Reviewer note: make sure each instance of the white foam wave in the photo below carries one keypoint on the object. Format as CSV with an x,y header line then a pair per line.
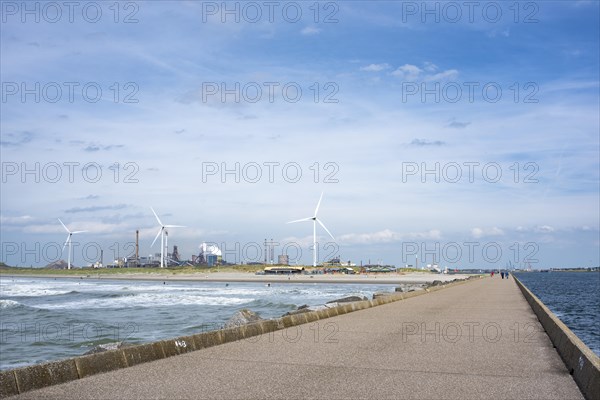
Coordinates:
x,y
31,291
148,300
8,303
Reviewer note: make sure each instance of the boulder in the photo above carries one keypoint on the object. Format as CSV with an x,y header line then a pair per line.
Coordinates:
x,y
377,295
294,312
300,310
399,289
348,299
434,283
242,317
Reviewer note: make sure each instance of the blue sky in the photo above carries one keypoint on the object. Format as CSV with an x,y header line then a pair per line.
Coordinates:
x,y
398,92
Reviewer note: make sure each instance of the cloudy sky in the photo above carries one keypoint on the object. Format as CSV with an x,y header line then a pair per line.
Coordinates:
x,y
465,133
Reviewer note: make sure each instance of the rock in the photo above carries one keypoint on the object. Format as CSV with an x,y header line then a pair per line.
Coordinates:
x,y
298,311
301,309
399,289
106,347
435,283
377,295
348,299
242,317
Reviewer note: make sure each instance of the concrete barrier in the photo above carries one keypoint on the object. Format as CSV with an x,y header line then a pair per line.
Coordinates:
x,y
24,379
47,374
143,353
99,362
581,362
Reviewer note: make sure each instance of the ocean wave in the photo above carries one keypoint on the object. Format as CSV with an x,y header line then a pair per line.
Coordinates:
x,y
146,300
9,304
34,290
271,304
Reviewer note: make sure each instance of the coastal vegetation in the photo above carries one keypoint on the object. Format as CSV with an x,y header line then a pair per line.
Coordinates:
x,y
5,269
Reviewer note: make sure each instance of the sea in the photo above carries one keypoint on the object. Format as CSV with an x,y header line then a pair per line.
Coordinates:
x,y
574,297
47,319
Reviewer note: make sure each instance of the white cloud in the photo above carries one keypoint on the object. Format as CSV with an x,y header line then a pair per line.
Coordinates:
x,y
431,235
375,67
495,32
310,30
384,236
448,74
408,71
430,67
387,236
21,220
544,229
478,233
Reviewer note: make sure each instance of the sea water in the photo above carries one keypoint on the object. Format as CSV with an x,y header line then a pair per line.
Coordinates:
x,y
573,297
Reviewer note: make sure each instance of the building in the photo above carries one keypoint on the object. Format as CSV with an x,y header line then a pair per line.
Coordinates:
x,y
210,255
211,260
283,270
283,259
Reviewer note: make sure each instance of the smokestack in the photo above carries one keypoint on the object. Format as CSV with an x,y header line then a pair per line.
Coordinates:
x,y
137,245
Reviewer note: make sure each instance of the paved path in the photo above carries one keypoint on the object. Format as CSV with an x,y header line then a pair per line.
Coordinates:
x,y
477,340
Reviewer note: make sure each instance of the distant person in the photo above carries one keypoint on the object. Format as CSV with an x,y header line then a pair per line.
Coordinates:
x,y
502,274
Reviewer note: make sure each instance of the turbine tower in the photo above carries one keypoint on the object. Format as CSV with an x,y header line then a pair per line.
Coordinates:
x,y
68,241
161,233
314,219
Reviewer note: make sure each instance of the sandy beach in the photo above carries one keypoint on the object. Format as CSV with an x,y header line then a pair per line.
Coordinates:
x,y
391,278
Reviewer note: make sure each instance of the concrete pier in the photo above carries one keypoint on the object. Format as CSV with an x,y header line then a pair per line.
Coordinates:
x,y
477,340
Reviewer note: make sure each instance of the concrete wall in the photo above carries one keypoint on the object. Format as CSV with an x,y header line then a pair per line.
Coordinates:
x,y
21,380
581,362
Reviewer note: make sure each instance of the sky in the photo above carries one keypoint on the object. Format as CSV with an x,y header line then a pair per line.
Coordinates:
x,y
465,134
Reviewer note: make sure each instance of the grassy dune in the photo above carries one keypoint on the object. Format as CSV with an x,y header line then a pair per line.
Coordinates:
x,y
7,270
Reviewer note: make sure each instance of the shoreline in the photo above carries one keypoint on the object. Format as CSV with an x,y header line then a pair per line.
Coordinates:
x,y
410,278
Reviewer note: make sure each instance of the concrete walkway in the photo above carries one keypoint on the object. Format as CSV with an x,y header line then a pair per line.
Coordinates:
x,y
477,340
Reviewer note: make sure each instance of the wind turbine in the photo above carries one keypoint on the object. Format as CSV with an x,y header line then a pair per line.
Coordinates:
x,y
68,241
314,219
161,232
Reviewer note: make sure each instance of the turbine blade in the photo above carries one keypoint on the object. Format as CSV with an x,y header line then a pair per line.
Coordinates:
x,y
157,235
318,204
64,226
78,232
158,219
299,220
320,223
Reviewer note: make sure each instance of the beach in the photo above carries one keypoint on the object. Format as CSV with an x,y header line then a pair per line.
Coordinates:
x,y
381,278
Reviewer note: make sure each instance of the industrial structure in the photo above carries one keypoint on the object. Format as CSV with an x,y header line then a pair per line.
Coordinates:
x,y
210,255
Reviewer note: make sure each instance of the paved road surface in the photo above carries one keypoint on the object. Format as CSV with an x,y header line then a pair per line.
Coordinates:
x,y
472,341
